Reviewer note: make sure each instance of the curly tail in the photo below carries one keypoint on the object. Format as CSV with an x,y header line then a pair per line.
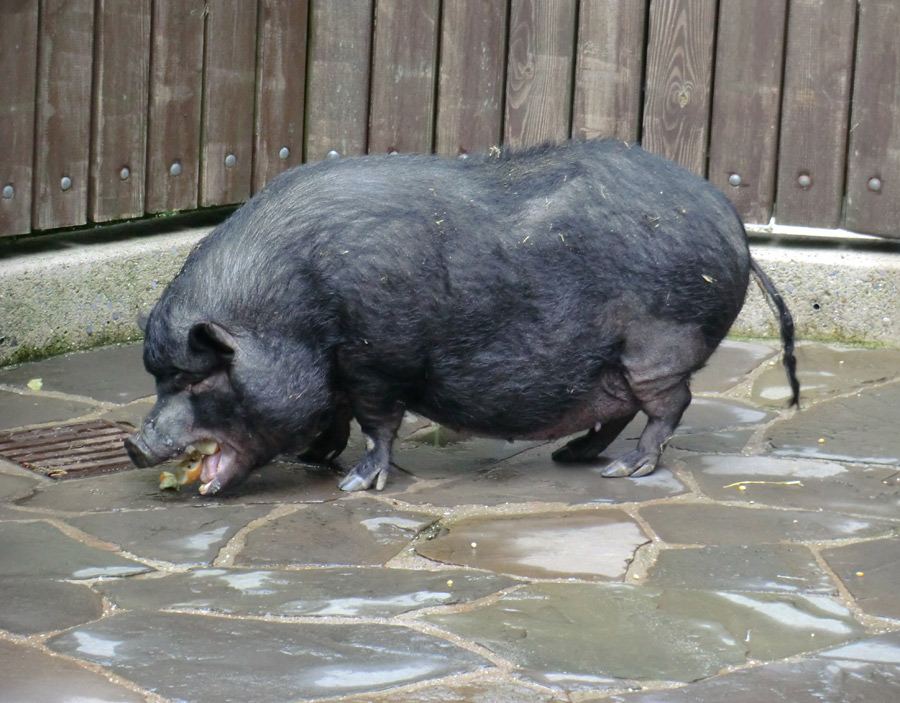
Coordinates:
x,y
786,322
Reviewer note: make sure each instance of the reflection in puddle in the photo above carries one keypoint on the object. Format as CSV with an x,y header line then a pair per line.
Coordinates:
x,y
347,678
364,606
790,616
92,646
603,549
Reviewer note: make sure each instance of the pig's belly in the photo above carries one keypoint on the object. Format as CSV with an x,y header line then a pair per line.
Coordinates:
x,y
533,413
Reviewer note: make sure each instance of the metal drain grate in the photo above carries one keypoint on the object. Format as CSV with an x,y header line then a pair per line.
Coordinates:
x,y
68,451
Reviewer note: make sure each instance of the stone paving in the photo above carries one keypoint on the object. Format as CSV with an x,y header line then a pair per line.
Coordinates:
x,y
760,562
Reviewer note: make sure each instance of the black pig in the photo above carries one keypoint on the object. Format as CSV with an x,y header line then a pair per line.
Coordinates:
x,y
528,294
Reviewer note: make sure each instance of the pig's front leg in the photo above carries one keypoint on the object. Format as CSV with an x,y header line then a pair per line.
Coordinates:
x,y
375,465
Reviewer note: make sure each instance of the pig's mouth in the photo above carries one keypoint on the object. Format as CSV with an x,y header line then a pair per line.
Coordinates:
x,y
210,461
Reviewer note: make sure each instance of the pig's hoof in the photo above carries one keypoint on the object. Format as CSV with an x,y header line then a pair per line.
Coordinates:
x,y
360,480
635,463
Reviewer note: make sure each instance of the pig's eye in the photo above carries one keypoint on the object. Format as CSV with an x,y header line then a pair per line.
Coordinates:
x,y
187,380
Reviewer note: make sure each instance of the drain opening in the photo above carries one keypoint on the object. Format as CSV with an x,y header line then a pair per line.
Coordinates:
x,y
69,451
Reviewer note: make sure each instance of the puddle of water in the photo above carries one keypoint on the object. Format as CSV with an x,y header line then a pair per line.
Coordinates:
x,y
567,544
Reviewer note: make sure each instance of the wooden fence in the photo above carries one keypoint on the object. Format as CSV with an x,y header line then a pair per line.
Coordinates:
x,y
113,109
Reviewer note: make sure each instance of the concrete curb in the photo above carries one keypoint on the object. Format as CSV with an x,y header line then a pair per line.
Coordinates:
x,y
80,290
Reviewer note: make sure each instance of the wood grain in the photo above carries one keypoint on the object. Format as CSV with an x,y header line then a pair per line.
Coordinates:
x,y
874,151
337,97
226,148
121,89
404,67
472,70
63,113
280,88
814,118
539,71
609,69
18,66
679,80
176,80
747,104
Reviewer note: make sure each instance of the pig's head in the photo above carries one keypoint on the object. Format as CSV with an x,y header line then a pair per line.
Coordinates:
x,y
253,396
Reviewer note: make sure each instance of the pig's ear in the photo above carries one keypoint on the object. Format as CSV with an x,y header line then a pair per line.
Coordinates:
x,y
143,318
212,337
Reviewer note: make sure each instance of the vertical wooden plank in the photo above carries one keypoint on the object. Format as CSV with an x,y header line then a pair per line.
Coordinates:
x,y
540,69
121,84
280,88
404,54
873,173
63,120
814,115
176,76
226,150
679,80
470,91
338,89
18,68
609,69
746,104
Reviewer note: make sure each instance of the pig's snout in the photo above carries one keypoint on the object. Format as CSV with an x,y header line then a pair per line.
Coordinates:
x,y
138,451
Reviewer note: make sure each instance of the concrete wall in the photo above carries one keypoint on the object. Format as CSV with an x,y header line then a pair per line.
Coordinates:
x,y
79,290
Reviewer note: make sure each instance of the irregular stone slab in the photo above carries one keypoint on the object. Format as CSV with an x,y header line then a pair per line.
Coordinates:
x,y
358,592
444,459
587,636
774,568
347,533
826,371
722,524
798,483
729,364
31,606
199,659
771,625
278,482
586,544
812,681
30,676
852,429
113,374
36,549
12,485
19,410
719,442
177,535
871,572
534,476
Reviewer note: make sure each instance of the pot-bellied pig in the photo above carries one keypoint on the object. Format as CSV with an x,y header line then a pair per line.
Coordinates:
x,y
516,294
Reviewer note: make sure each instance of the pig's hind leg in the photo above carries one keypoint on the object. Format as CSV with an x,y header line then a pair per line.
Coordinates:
x,y
589,445
659,360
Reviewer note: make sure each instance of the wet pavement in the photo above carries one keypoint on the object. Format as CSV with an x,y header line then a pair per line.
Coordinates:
x,y
760,562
